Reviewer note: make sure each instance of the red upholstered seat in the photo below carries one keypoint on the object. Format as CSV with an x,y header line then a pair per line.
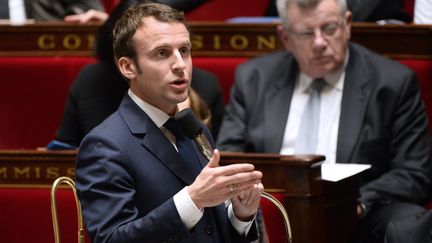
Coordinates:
x,y
409,7
223,68
26,215
32,98
213,10
110,4
273,219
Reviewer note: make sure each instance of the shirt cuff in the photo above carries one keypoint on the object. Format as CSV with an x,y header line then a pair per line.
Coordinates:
x,y
241,226
188,211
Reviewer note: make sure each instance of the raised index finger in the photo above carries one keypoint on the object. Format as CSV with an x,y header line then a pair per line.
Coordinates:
x,y
233,169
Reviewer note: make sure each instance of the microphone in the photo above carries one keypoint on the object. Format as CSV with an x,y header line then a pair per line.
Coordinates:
x,y
192,128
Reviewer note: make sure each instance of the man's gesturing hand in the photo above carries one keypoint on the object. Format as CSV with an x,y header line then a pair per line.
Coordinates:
x,y
245,205
216,184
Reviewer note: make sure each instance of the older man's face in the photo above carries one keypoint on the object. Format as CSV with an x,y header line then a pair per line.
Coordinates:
x,y
317,37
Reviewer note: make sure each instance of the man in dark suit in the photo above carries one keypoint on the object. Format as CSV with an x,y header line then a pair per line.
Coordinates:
x,y
370,111
139,179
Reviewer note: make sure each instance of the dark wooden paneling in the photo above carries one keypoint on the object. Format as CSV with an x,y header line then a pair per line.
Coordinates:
x,y
211,39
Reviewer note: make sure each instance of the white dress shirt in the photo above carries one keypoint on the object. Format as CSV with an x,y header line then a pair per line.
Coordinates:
x,y
423,12
17,14
188,211
331,97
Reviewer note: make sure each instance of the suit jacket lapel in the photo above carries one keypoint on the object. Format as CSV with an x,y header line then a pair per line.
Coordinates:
x,y
277,104
353,107
154,140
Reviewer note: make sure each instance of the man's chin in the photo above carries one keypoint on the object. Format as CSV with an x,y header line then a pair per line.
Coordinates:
x,y
179,99
322,71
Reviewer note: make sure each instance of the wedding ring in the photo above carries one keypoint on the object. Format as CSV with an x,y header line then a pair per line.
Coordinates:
x,y
231,188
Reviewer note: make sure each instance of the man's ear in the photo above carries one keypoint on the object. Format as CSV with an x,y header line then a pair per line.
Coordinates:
x,y
348,19
283,35
127,67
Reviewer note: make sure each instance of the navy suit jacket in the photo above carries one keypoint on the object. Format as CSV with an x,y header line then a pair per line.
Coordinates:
x,y
383,121
127,174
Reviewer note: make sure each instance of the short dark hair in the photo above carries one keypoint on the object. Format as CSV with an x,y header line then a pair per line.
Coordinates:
x,y
132,19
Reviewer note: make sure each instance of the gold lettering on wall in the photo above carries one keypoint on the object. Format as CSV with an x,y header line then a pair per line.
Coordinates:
x,y
21,172
200,42
52,172
46,42
71,172
217,42
3,173
69,42
197,42
72,42
37,171
269,42
91,41
239,42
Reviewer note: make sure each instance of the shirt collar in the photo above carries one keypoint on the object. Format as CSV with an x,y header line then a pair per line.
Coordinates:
x,y
156,115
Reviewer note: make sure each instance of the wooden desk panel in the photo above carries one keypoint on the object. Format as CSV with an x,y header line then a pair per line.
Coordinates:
x,y
211,39
47,39
32,168
314,206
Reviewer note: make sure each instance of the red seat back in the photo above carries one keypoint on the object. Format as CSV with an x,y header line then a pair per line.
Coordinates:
x,y
273,220
32,98
26,215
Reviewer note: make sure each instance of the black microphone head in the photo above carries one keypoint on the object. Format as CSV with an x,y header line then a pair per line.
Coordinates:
x,y
189,123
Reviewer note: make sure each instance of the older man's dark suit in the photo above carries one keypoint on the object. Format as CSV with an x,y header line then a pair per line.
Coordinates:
x,y
382,122
127,174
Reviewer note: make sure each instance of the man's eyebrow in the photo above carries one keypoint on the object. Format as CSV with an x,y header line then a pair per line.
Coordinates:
x,y
166,45
187,43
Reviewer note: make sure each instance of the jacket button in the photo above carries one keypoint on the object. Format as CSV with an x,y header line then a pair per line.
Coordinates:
x,y
209,229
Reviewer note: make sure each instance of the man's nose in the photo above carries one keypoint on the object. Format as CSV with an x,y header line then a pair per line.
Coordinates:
x,y
179,63
319,40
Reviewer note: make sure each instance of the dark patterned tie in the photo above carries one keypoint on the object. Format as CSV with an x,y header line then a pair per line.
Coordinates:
x,y
307,138
185,146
